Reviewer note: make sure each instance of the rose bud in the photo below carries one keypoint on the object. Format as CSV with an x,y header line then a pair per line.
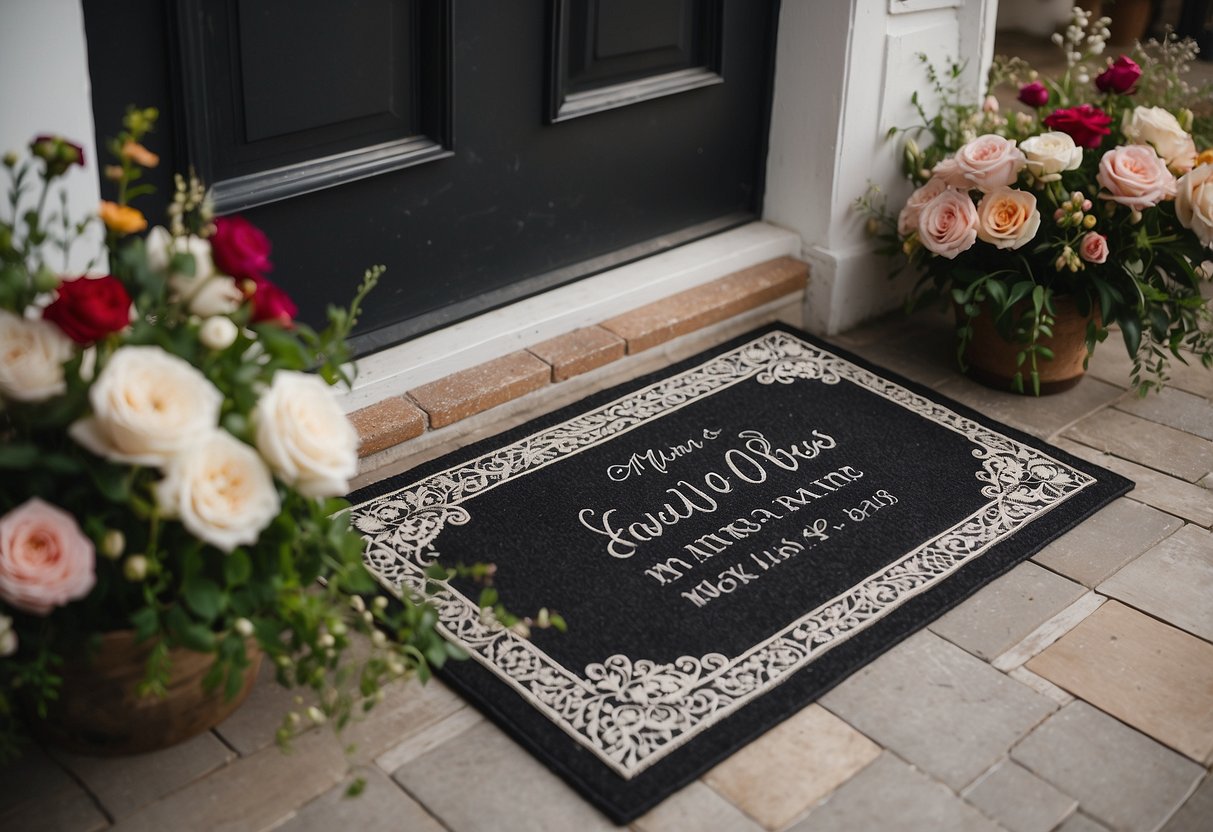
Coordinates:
x,y
1120,76
58,153
1034,94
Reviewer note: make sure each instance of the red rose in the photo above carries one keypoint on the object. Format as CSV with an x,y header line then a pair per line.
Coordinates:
x,y
1120,76
240,248
90,308
270,303
1034,94
1087,125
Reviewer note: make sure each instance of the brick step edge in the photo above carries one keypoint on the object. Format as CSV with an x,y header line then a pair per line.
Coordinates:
x,y
440,403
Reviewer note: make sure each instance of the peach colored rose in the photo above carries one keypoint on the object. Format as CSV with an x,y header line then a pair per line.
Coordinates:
x,y
45,560
1194,202
1007,218
1093,248
1135,176
990,162
948,223
121,219
907,220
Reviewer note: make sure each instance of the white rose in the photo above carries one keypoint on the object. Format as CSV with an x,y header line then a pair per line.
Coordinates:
x,y
207,292
304,436
147,406
1049,154
1158,128
32,353
221,491
218,332
1194,203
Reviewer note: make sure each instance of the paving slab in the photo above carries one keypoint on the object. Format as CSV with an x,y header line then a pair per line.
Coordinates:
x,y
1078,822
785,771
1174,496
70,810
1146,673
1195,814
1115,367
254,792
920,348
1019,800
1174,408
482,781
1172,581
695,807
125,784
1004,611
32,775
1119,776
889,794
1044,416
1147,443
1047,633
253,725
381,805
1094,549
941,709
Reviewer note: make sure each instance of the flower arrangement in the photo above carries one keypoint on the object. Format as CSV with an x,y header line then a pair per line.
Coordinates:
x,y
173,457
1095,192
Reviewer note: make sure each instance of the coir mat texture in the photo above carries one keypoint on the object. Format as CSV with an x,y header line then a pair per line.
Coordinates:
x,y
727,539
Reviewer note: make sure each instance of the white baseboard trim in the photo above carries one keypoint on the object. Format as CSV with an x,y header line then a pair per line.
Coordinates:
x,y
392,371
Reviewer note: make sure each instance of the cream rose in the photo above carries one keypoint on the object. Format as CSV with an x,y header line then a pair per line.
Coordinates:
x,y
32,354
1007,218
1135,177
45,560
304,436
206,292
1157,127
1049,154
948,223
990,161
907,220
1093,247
147,406
221,491
1194,202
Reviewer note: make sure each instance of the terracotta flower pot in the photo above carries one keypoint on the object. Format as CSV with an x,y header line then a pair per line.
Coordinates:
x,y
100,713
991,358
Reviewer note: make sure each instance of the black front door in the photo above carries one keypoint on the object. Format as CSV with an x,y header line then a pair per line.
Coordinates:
x,y
484,150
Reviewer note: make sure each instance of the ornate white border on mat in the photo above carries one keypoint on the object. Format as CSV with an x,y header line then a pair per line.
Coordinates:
x,y
632,712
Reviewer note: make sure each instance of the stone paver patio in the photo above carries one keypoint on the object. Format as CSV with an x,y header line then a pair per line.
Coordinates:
x,y
1075,693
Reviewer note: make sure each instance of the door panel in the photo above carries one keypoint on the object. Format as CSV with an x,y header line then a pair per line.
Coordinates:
x,y
420,134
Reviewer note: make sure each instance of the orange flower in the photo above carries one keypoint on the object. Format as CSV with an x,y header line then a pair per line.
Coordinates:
x,y
140,155
1205,157
121,219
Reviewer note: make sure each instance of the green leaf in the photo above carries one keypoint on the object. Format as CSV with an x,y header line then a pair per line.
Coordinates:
x,y
237,568
1130,328
18,455
204,597
488,597
146,622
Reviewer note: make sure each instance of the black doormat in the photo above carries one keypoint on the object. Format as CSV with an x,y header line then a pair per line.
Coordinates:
x,y
727,539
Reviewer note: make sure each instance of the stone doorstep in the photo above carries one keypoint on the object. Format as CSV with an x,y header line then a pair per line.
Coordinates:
x,y
456,397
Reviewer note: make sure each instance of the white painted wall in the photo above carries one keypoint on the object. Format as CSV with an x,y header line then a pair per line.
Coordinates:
x,y
44,88
844,75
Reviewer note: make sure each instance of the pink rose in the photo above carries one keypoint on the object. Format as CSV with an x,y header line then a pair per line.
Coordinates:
x,y
270,303
1093,248
240,248
1007,218
990,161
907,220
1120,76
1134,176
45,560
948,223
948,170
1034,94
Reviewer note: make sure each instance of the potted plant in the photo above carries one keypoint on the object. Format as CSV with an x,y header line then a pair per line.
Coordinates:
x,y
173,462
1090,208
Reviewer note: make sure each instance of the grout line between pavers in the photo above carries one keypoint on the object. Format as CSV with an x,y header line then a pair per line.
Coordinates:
x,y
79,781
1048,632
